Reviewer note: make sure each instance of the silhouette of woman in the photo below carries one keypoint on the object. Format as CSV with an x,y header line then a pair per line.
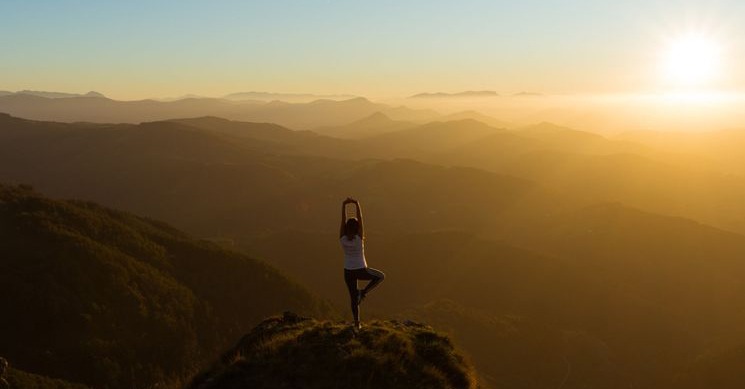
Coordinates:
x,y
352,238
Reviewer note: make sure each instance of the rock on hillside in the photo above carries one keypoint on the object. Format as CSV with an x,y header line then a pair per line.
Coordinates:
x,y
292,352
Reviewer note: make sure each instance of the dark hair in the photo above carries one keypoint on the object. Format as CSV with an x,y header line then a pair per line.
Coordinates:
x,y
352,227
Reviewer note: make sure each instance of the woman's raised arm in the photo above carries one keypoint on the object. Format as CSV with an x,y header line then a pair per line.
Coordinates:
x,y
359,218
344,215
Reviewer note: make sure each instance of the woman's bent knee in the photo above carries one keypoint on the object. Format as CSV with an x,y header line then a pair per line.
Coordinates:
x,y
376,273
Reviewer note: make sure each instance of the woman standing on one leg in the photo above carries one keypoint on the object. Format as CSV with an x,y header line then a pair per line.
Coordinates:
x,y
352,238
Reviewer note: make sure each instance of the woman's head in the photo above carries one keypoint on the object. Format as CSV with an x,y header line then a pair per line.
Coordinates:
x,y
352,227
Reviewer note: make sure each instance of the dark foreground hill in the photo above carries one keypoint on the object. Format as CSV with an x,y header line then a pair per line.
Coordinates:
x,y
109,299
295,352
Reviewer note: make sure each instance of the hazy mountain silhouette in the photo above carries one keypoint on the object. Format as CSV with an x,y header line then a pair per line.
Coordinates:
x,y
318,113
110,299
55,95
570,140
288,97
138,167
323,113
186,96
527,94
644,182
719,149
478,116
161,168
267,137
483,93
540,155
595,168
427,138
536,138
472,142
103,110
375,124
292,351
519,151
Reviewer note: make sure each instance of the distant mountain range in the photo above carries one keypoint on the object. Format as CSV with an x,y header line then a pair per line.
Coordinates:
x,y
51,95
471,94
483,93
287,97
318,113
527,94
478,116
379,123
270,96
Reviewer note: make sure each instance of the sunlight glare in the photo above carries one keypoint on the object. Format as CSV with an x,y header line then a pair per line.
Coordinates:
x,y
692,60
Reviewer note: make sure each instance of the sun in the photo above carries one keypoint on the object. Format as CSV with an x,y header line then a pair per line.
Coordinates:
x,y
692,60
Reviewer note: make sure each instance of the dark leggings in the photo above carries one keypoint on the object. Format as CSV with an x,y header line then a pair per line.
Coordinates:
x,y
352,276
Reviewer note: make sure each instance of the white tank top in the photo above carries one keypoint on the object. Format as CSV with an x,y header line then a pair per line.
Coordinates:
x,y
354,252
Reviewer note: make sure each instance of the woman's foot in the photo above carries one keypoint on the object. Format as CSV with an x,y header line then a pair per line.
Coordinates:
x,y
357,326
361,296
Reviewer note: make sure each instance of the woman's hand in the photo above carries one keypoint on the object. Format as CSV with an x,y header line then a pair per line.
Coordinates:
x,y
350,200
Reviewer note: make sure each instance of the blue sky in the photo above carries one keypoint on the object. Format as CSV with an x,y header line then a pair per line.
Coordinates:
x,y
134,49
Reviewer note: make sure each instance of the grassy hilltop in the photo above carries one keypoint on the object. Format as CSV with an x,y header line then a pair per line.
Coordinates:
x,y
294,352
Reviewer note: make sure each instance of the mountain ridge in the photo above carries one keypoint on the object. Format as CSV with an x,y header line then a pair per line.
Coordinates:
x,y
305,115
368,126
53,95
288,97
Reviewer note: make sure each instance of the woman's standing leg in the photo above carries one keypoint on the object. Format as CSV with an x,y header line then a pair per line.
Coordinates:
x,y
351,281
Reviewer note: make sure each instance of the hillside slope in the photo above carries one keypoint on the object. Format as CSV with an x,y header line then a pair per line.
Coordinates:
x,y
18,379
292,352
209,182
513,351
110,299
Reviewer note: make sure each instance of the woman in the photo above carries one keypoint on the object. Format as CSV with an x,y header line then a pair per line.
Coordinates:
x,y
352,238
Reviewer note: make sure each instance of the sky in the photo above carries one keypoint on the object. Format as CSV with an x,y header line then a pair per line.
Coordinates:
x,y
139,49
